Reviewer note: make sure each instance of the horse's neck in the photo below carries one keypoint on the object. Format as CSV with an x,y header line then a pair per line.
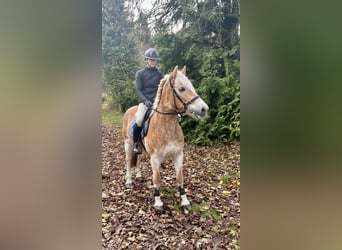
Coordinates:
x,y
166,103
167,125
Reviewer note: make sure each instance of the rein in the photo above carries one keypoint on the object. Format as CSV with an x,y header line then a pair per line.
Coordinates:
x,y
175,94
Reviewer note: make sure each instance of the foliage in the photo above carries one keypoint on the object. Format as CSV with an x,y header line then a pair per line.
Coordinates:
x,y
119,54
222,94
209,45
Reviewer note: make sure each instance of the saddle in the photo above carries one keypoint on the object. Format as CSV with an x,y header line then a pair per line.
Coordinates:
x,y
145,126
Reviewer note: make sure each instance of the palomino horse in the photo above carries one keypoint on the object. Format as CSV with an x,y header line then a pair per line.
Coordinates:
x,y
176,95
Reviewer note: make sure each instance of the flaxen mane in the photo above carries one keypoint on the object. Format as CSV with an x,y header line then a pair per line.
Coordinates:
x,y
159,91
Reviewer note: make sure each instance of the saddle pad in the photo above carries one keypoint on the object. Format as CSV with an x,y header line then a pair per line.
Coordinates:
x,y
130,131
143,131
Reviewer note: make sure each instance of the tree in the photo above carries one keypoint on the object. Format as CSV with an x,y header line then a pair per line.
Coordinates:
x,y
208,43
120,54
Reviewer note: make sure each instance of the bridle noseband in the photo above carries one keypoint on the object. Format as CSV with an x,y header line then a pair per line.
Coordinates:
x,y
175,94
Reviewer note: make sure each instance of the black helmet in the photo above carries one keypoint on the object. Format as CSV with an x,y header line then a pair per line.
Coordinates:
x,y
152,54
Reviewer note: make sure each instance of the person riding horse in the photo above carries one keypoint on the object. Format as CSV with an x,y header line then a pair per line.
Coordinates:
x,y
175,95
146,81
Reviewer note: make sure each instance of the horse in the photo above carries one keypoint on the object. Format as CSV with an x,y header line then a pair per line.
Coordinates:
x,y
175,96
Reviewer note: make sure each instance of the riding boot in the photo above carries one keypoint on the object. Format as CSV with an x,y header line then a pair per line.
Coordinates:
x,y
136,135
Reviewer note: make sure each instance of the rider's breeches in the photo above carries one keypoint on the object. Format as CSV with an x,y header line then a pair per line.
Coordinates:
x,y
140,114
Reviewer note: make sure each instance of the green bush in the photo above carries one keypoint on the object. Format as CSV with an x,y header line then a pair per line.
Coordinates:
x,y
222,94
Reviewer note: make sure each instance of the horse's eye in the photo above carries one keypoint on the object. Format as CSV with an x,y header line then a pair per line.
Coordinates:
x,y
181,89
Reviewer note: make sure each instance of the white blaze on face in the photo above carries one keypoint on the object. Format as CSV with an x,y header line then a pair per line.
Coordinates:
x,y
185,81
198,109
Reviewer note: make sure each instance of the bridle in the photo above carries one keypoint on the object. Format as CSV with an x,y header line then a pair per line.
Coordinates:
x,y
175,94
185,104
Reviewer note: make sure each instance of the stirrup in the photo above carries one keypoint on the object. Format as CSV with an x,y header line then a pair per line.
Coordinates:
x,y
136,149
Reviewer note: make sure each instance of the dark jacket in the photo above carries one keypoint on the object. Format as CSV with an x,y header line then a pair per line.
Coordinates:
x,y
146,83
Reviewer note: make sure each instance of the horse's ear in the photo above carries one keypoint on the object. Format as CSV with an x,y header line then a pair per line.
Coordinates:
x,y
184,70
174,73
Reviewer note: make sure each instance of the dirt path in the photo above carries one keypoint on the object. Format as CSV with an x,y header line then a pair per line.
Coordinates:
x,y
212,181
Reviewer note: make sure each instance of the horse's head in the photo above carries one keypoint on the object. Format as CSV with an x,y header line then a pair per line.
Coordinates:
x,y
185,96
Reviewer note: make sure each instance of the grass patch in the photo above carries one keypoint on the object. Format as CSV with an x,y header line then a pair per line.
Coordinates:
x,y
205,211
169,194
224,179
212,170
177,207
230,177
112,118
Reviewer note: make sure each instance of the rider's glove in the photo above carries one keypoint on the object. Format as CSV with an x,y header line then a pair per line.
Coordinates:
x,y
148,103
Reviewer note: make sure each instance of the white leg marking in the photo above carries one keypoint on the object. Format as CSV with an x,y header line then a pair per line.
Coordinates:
x,y
185,201
157,201
155,163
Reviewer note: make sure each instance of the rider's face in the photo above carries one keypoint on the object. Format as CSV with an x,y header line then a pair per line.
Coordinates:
x,y
151,63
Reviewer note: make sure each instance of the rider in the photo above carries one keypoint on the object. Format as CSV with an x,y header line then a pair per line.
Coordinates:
x,y
147,82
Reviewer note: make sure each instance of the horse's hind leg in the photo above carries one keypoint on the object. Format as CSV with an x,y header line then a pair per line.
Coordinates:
x,y
132,161
129,159
138,176
178,162
155,162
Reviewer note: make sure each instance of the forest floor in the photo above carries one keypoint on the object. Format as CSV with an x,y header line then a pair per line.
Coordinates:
x,y
212,182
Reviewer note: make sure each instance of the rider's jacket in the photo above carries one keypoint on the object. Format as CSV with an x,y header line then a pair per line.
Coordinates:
x,y
147,82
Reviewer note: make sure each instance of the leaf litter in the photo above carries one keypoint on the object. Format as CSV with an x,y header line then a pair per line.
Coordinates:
x,y
212,182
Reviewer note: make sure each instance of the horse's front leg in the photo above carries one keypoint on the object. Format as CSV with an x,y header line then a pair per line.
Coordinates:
x,y
155,162
178,161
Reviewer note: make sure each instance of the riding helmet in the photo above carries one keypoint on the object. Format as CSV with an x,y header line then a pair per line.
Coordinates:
x,y
152,54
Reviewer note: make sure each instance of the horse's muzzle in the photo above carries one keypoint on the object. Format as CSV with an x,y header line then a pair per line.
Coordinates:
x,y
200,111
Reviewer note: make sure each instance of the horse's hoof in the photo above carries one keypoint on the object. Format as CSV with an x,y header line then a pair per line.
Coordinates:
x,y
139,179
128,185
159,208
187,206
186,209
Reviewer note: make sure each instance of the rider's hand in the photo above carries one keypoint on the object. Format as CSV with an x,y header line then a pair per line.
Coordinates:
x,y
148,104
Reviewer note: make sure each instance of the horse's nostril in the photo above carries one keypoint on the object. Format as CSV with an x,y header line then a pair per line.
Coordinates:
x,y
203,110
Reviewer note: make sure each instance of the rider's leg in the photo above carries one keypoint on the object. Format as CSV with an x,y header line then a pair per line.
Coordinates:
x,y
137,126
